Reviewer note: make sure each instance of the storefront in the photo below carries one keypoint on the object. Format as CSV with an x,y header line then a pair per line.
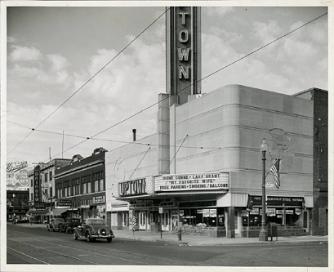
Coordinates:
x,y
289,214
167,202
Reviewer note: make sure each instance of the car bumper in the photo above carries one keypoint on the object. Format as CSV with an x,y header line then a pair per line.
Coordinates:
x,y
102,236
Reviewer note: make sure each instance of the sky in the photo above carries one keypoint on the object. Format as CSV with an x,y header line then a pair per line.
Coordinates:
x,y
52,52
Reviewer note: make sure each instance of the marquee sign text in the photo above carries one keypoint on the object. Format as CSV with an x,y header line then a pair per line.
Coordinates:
x,y
192,182
132,187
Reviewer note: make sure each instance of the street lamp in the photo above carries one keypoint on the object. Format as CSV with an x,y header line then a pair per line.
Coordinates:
x,y
264,232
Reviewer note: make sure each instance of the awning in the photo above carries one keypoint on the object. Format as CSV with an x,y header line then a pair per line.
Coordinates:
x,y
40,212
59,211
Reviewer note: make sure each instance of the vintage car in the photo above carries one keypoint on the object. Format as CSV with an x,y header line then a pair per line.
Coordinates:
x,y
69,225
55,224
92,229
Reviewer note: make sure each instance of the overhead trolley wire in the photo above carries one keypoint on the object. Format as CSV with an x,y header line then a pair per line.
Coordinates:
x,y
226,66
90,79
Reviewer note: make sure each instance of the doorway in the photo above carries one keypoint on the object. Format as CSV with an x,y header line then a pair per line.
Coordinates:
x,y
165,220
142,220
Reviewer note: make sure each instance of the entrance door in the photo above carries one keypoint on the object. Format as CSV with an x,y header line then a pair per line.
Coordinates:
x,y
165,220
142,220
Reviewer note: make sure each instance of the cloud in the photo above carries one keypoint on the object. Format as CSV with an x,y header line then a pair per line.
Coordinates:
x,y
221,11
22,53
230,37
58,62
49,69
11,39
267,32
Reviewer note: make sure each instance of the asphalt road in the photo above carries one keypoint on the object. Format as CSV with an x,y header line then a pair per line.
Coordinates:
x,y
38,246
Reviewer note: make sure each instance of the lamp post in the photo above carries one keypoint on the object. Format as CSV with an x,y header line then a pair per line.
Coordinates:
x,y
264,232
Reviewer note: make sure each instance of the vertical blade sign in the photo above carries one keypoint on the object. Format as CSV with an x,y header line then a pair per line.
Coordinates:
x,y
37,183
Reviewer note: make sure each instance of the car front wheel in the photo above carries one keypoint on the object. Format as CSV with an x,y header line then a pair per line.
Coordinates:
x,y
75,236
109,240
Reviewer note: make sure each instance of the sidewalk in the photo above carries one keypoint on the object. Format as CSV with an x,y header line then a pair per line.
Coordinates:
x,y
192,240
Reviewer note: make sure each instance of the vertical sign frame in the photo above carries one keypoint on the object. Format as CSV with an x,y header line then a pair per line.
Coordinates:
x,y
37,185
183,52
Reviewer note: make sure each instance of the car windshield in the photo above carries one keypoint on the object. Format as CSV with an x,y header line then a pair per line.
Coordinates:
x,y
94,221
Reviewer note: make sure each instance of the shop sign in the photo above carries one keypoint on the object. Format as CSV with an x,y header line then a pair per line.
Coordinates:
x,y
199,211
213,212
161,210
271,212
206,212
298,211
287,201
277,200
39,205
279,211
270,184
279,216
289,211
244,213
192,182
84,206
98,199
37,188
255,211
132,187
143,203
167,202
61,203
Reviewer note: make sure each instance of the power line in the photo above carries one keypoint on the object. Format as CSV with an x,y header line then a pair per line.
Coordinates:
x,y
110,140
90,79
226,66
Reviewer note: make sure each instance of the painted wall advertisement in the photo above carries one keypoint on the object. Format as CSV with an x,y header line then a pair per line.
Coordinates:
x,y
192,182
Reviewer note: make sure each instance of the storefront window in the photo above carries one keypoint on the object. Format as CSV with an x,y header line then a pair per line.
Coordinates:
x,y
202,217
291,217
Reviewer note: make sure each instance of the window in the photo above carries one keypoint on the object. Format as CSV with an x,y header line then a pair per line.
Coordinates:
x,y
32,196
96,186
101,185
89,187
51,192
32,184
198,216
46,192
50,175
46,177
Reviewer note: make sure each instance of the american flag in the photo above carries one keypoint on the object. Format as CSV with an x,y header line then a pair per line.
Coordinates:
x,y
275,170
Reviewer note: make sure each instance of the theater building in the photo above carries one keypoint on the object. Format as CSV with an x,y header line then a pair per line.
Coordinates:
x,y
203,166
80,186
202,169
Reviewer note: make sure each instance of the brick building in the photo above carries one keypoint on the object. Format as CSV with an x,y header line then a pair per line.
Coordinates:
x,y
82,185
319,215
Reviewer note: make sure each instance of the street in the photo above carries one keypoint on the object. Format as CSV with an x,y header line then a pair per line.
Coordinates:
x,y
38,246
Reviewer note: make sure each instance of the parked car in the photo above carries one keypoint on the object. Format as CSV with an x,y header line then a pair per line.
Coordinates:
x,y
23,220
92,229
69,225
55,224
